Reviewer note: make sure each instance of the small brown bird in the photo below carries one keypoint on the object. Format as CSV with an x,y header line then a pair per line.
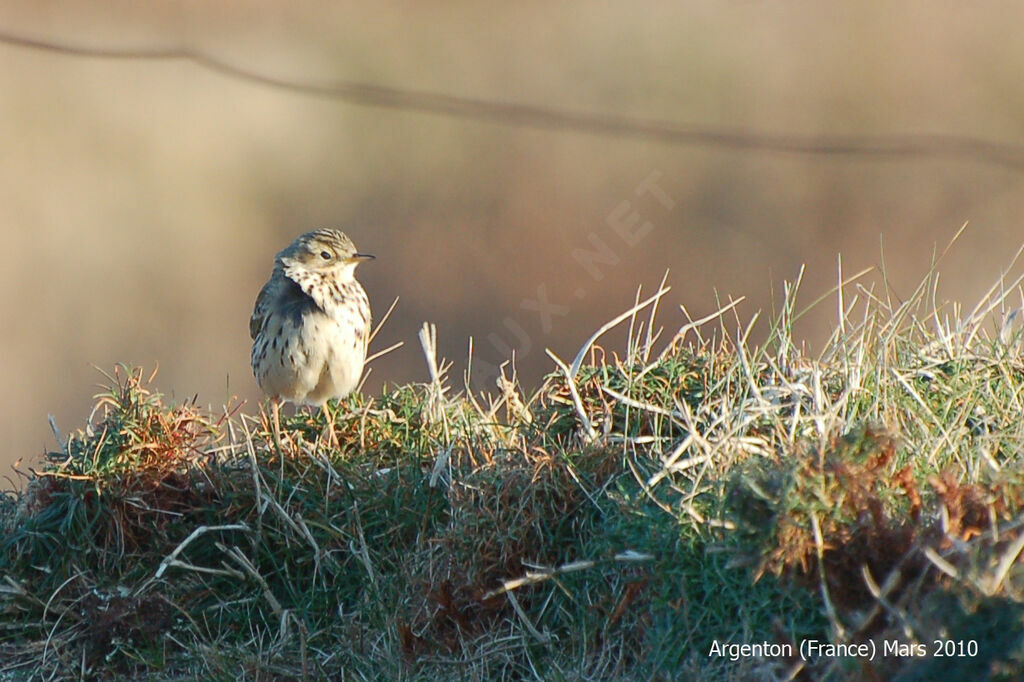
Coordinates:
x,y
311,324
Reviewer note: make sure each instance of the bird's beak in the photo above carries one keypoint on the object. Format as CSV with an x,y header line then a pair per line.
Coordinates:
x,y
359,257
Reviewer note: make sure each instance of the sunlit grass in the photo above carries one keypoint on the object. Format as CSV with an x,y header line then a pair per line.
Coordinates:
x,y
613,524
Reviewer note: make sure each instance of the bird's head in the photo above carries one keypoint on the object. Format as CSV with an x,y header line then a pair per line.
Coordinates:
x,y
325,251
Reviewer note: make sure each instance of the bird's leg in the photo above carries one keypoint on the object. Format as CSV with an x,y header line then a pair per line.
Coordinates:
x,y
332,439
275,408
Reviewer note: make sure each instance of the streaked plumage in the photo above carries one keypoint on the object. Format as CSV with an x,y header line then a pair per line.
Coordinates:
x,y
311,321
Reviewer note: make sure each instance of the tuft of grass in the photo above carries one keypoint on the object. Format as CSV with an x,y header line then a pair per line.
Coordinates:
x,y
634,512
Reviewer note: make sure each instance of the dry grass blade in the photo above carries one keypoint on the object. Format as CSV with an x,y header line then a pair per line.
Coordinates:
x,y
582,353
590,434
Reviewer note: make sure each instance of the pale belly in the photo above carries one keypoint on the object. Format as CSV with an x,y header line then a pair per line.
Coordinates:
x,y
311,360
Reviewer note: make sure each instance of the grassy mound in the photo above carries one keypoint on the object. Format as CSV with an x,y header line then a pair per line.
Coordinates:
x,y
637,517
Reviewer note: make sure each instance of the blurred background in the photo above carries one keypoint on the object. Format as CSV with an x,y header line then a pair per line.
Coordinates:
x,y
143,200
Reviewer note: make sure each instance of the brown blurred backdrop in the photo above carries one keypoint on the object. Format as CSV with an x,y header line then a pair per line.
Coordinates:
x,y
143,201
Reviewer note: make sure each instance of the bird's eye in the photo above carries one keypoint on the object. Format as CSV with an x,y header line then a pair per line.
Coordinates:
x,y
326,255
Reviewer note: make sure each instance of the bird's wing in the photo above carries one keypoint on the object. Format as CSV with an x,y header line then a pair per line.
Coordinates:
x,y
261,309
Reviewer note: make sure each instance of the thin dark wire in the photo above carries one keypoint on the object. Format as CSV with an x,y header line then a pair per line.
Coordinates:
x,y
962,147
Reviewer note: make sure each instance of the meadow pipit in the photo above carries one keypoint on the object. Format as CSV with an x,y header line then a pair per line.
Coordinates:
x,y
311,324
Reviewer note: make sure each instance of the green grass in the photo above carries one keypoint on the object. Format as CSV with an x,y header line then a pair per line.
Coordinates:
x,y
613,524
